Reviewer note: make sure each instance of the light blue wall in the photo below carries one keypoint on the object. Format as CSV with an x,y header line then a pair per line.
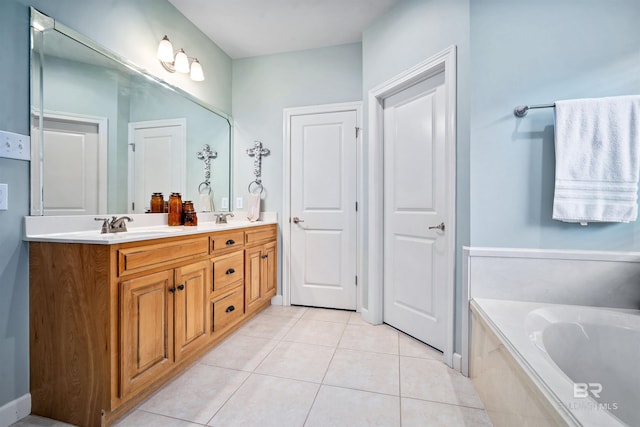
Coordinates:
x,y
526,52
263,86
410,33
131,29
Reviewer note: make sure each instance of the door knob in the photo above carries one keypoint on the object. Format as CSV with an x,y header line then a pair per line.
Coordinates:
x,y
439,227
297,220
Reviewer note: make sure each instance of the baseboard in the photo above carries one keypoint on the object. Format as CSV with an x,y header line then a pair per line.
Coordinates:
x,y
15,410
277,300
457,362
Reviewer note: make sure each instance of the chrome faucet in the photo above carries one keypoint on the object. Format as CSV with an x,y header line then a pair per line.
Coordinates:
x,y
221,218
116,225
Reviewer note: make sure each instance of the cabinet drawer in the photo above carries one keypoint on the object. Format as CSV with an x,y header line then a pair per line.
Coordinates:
x,y
140,258
227,270
228,309
227,241
262,234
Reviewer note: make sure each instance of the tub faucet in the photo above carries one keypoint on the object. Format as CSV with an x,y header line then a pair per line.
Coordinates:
x,y
116,225
221,218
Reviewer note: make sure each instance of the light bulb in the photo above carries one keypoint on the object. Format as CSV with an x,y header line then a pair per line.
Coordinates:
x,y
181,62
196,71
165,50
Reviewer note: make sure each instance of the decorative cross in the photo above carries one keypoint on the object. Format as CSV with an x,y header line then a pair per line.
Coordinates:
x,y
206,154
257,152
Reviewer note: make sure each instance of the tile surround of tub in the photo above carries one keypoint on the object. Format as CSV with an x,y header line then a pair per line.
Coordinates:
x,y
271,372
604,279
510,397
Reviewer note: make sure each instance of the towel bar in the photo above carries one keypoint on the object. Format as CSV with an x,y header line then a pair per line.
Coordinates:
x,y
521,110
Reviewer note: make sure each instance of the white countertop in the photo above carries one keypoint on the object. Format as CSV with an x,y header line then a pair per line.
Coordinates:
x,y
85,229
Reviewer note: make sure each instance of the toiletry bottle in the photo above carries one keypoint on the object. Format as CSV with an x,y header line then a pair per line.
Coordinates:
x,y
189,215
157,203
175,209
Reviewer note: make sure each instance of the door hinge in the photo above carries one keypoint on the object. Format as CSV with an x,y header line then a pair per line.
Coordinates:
x,y
356,206
357,131
133,147
133,206
356,280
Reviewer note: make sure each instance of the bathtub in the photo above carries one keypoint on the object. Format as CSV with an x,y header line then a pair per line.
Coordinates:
x,y
570,365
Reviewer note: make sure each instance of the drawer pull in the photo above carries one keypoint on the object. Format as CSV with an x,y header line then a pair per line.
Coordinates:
x,y
181,287
231,242
230,309
230,271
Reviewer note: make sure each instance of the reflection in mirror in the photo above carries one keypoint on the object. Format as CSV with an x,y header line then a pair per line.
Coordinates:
x,y
106,135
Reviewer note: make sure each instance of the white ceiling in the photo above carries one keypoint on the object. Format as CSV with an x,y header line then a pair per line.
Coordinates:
x,y
244,28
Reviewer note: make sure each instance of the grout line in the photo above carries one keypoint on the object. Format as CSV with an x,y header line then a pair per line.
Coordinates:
x,y
165,416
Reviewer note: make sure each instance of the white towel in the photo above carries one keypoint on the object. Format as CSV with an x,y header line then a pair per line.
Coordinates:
x,y
205,202
597,159
253,207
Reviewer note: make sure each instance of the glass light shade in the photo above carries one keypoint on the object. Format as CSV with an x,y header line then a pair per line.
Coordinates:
x,y
196,71
165,50
181,62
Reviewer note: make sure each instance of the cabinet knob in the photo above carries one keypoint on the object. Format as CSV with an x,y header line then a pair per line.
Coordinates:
x,y
230,271
231,242
265,256
172,289
230,309
181,287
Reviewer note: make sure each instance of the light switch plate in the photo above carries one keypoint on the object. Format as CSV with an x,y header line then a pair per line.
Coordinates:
x,y
239,202
225,203
15,146
4,197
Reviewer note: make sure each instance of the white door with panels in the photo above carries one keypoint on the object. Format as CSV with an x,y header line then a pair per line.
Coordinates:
x,y
323,195
157,151
416,211
73,173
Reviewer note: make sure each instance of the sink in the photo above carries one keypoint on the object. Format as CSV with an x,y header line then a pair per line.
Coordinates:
x,y
131,233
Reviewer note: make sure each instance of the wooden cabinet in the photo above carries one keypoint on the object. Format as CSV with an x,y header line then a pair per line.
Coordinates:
x,y
146,326
112,323
260,267
191,308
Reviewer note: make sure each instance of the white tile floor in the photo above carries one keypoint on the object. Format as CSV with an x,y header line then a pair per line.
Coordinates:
x,y
296,366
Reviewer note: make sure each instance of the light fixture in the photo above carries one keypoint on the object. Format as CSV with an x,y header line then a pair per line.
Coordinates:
x,y
179,62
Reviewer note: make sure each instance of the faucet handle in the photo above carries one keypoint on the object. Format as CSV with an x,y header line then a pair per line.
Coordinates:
x,y
105,225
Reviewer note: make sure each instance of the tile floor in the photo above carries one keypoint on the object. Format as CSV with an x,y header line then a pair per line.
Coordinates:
x,y
297,366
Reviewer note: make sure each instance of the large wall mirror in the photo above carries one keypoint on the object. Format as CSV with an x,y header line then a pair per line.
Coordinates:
x,y
105,134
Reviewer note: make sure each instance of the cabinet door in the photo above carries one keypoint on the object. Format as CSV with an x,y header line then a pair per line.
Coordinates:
x,y
269,270
146,330
253,277
191,307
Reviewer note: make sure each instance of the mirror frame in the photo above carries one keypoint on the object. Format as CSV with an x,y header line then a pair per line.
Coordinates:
x,y
40,22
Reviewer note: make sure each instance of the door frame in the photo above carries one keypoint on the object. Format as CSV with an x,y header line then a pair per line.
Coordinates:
x,y
288,114
445,62
36,172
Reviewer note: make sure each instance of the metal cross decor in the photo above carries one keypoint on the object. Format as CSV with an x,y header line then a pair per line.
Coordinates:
x,y
257,152
206,154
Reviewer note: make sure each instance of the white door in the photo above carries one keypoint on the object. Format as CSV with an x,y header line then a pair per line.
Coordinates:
x,y
156,161
323,209
415,204
73,178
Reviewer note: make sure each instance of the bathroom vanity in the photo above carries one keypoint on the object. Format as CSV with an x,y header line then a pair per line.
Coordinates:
x,y
113,320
